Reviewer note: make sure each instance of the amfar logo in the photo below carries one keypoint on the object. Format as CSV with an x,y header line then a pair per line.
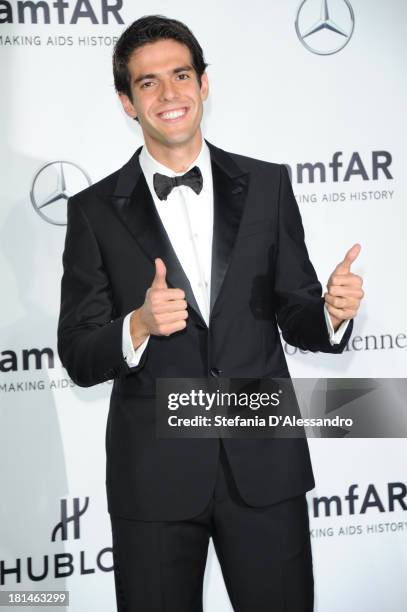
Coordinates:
x,y
59,565
328,33
41,12
338,169
52,185
30,359
359,502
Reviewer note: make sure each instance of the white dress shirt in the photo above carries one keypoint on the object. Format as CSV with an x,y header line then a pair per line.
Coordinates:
x,y
187,218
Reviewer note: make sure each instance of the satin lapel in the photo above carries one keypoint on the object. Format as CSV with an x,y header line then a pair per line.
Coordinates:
x,y
133,203
230,187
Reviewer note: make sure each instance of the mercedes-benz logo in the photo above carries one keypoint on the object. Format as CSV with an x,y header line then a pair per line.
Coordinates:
x,y
49,189
324,36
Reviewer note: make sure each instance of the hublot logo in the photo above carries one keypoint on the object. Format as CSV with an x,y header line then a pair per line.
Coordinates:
x,y
62,526
59,564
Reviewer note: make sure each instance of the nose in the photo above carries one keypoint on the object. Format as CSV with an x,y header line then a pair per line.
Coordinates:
x,y
168,90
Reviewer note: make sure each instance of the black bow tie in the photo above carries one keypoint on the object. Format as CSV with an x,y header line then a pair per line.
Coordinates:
x,y
163,184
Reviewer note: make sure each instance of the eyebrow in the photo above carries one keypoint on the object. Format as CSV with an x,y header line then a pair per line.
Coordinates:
x,y
151,75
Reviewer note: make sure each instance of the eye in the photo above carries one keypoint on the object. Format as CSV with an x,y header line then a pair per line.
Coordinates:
x,y
183,74
146,84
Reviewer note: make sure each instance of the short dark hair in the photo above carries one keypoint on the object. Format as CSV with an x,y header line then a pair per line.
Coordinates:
x,y
149,29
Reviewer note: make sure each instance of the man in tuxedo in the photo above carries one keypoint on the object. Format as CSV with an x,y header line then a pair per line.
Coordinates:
x,y
181,265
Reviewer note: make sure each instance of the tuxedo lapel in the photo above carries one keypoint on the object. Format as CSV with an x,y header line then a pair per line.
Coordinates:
x,y
230,187
133,203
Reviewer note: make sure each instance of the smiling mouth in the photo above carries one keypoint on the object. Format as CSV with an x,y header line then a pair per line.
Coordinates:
x,y
174,115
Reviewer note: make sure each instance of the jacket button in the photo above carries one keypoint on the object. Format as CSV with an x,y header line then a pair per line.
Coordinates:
x,y
215,372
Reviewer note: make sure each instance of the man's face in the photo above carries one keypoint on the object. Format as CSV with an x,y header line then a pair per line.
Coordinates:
x,y
167,98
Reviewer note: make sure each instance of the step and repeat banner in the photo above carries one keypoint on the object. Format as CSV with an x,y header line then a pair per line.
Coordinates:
x,y
317,85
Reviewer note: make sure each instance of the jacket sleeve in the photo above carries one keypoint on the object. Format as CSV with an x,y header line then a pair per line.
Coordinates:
x,y
89,338
297,291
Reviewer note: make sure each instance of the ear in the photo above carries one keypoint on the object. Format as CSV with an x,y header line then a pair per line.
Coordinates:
x,y
127,105
204,86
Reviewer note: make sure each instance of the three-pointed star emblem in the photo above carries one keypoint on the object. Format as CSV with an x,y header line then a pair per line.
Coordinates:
x,y
50,188
339,26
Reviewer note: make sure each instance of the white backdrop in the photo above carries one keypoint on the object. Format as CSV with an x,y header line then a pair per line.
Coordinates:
x,y
270,98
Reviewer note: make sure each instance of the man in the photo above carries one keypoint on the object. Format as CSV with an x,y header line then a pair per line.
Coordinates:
x,y
180,265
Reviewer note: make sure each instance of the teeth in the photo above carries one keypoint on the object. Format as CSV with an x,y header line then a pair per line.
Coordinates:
x,y
172,114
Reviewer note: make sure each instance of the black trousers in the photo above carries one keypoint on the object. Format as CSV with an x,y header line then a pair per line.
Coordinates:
x,y
264,554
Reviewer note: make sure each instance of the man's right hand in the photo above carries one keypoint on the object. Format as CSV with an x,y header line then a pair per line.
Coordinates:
x,y
164,311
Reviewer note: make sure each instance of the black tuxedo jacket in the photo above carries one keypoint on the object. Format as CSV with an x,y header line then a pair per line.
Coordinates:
x,y
261,277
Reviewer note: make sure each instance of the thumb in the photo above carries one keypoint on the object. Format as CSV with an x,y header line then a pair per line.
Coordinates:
x,y
159,281
351,255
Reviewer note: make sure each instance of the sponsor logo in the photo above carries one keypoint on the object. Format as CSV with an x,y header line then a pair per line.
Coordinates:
x,y
329,32
53,184
365,504
61,12
29,359
59,564
370,342
394,498
343,170
74,518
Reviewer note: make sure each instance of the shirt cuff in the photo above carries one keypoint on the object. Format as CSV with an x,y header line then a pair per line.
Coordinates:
x,y
131,355
335,337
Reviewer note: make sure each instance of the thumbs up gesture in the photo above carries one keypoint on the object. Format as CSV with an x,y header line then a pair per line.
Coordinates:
x,y
164,310
159,281
344,289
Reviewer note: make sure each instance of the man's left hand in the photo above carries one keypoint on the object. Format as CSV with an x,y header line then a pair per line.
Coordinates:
x,y
344,290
